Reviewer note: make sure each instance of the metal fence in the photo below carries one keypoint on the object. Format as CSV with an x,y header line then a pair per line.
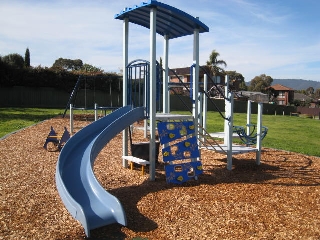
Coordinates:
x,y
52,98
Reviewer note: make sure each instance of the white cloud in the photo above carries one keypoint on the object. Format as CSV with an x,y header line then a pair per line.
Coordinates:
x,y
252,37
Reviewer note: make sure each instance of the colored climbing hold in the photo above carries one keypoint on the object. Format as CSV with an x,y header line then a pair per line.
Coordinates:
x,y
166,154
183,131
180,178
171,135
187,144
191,127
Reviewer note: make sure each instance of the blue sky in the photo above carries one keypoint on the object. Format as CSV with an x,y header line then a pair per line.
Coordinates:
x,y
277,38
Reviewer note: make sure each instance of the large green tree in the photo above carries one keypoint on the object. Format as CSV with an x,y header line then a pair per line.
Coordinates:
x,y
14,59
27,58
260,83
68,64
216,65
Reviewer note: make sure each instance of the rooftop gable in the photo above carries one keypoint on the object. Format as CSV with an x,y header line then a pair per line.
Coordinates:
x,y
279,87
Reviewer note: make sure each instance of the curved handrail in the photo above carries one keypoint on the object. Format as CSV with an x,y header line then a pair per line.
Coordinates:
x,y
251,138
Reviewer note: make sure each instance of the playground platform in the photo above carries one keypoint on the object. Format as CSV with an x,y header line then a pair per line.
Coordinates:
x,y
236,149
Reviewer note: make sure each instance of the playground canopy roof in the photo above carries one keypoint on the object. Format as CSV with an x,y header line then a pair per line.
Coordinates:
x,y
170,21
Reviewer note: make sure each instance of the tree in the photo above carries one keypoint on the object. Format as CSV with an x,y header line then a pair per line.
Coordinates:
x,y
87,68
260,83
317,93
310,91
272,94
68,64
236,80
14,60
27,58
214,63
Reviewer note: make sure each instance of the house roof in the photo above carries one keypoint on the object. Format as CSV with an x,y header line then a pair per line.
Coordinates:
x,y
248,93
186,71
170,21
279,87
301,97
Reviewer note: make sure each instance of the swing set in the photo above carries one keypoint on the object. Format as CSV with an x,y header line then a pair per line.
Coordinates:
x,y
90,92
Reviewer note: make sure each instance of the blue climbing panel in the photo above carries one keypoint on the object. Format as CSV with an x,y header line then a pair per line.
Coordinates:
x,y
169,131
183,147
179,173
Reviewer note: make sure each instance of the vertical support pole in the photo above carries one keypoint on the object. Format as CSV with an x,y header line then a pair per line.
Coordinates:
x,y
248,116
205,103
152,120
168,96
228,123
230,131
195,87
71,119
146,100
226,110
95,112
259,129
165,90
200,118
125,87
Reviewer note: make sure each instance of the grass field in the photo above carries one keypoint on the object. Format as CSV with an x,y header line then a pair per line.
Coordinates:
x,y
294,134
13,119
287,133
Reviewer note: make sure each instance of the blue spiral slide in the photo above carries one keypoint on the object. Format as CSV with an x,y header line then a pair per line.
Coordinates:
x,y
83,196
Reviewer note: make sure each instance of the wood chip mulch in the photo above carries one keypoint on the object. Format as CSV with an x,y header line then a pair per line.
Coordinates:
x,y
280,199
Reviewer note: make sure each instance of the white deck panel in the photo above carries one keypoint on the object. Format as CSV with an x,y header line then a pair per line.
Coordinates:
x,y
221,135
236,149
169,116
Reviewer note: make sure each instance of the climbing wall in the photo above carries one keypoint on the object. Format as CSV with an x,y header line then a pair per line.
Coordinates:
x,y
180,151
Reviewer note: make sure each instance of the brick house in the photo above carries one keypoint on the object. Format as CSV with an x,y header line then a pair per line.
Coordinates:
x,y
285,95
184,75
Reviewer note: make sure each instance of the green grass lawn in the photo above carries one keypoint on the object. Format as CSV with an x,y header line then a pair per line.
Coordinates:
x,y
295,134
13,119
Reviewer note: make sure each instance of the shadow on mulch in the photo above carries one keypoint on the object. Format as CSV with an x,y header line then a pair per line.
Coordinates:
x,y
288,173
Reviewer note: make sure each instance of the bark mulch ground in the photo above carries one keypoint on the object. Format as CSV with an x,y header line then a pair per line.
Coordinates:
x,y
280,199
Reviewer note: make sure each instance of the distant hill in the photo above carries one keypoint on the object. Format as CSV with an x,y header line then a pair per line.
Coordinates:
x,y
296,84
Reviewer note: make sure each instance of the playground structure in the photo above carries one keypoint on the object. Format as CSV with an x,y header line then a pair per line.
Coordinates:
x,y
95,110
170,23
79,190
57,139
89,102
